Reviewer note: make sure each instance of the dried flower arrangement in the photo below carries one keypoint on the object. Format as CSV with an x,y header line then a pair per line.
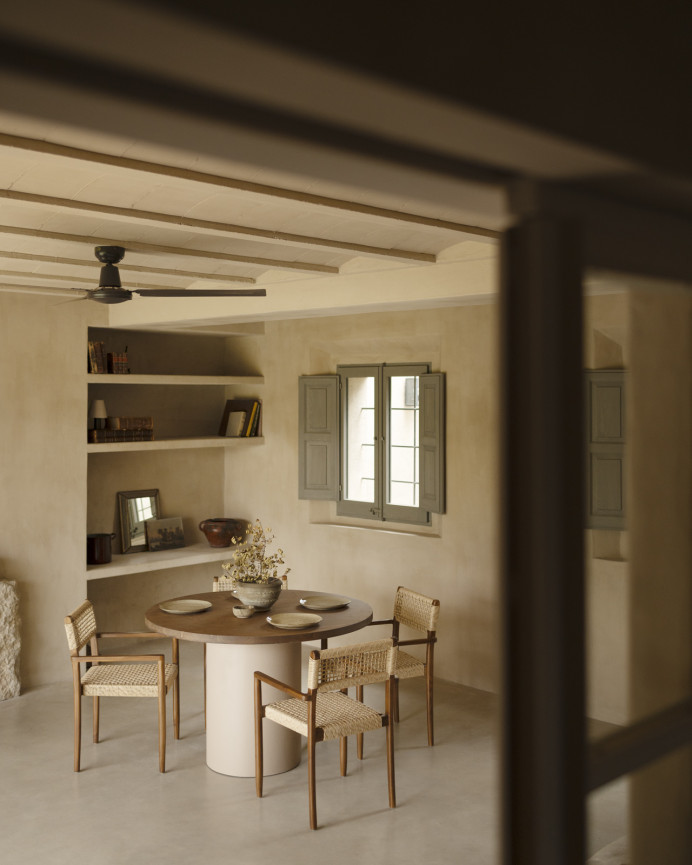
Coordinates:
x,y
251,564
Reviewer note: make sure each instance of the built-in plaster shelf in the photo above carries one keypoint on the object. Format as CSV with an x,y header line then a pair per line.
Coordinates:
x,y
174,444
140,563
110,378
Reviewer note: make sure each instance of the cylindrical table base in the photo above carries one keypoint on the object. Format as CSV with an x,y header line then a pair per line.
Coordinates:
x,y
230,707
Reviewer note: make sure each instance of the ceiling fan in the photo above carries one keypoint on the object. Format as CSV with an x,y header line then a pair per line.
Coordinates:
x,y
110,289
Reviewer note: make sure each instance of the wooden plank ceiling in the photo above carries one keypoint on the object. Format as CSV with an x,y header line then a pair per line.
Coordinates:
x,y
191,222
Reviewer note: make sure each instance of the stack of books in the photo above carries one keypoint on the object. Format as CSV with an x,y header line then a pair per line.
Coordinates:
x,y
241,418
117,363
124,429
97,357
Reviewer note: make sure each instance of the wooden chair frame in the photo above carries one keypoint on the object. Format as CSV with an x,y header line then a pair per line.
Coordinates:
x,y
429,642
90,642
315,733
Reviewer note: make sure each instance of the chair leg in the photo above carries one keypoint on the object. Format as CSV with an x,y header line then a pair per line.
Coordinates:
x,y
311,781
96,718
343,755
429,705
259,742
395,707
77,729
390,745
162,729
360,738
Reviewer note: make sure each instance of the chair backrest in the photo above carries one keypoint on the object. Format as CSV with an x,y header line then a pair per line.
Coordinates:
x,y
80,626
415,610
223,584
345,666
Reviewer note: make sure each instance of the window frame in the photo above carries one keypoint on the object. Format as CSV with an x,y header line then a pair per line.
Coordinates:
x,y
379,509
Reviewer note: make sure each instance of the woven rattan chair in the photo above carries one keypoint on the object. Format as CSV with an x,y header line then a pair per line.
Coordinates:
x,y
118,676
325,711
419,613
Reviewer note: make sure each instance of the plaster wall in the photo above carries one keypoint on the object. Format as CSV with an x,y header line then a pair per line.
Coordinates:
x,y
43,471
456,560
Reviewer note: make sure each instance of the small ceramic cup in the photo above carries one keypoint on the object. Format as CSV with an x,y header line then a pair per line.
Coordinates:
x,y
242,611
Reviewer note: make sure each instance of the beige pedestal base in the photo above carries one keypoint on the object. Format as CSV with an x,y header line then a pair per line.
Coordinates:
x,y
230,707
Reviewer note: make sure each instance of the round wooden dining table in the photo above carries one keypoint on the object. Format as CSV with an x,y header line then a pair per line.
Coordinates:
x,y
235,649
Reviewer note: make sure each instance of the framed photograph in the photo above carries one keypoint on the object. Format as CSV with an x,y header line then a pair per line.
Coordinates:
x,y
165,534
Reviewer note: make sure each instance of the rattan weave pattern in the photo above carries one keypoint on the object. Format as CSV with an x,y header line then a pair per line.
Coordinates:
x,y
223,584
337,715
80,626
408,667
346,666
415,610
125,680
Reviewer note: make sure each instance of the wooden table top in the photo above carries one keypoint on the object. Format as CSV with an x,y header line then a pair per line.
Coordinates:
x,y
217,624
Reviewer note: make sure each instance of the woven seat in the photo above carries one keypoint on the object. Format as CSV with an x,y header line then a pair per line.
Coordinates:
x,y
326,712
420,613
118,676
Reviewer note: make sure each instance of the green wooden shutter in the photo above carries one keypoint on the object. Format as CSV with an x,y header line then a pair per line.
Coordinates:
x,y
318,431
432,442
605,469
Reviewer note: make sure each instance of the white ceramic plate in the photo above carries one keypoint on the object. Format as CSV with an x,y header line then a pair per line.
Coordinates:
x,y
184,606
294,620
324,602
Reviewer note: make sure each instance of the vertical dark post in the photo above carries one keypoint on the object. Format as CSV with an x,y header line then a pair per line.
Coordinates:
x,y
543,518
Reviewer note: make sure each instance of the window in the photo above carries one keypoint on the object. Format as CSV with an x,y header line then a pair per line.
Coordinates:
x,y
372,439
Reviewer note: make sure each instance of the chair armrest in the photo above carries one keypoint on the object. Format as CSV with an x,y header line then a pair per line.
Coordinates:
x,y
282,686
138,634
421,642
380,622
117,659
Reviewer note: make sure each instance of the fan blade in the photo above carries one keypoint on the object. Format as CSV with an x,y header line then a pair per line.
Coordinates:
x,y
184,292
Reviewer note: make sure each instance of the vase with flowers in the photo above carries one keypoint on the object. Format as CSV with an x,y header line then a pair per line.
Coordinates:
x,y
254,571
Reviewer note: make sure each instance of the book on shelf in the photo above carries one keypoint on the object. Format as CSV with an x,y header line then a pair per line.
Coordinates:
x,y
101,436
130,423
241,418
97,361
117,363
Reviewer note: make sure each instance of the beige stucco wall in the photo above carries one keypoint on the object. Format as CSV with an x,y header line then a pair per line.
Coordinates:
x,y
44,471
43,501
457,561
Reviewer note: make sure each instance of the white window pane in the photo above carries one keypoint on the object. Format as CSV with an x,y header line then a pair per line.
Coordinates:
x,y
403,426
360,435
402,483
402,464
402,494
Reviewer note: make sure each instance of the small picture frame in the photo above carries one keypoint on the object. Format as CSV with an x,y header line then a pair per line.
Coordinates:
x,y
165,534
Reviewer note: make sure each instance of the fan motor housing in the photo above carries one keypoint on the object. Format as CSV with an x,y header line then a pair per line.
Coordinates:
x,y
110,295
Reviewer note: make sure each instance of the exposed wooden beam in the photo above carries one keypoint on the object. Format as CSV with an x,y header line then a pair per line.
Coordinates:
x,y
137,246
208,226
61,150
127,267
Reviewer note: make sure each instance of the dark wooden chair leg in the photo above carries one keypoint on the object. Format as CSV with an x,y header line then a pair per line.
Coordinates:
x,y
96,718
259,742
390,748
77,729
343,755
360,738
311,780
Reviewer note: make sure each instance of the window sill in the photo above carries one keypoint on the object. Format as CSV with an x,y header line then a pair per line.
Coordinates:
x,y
324,514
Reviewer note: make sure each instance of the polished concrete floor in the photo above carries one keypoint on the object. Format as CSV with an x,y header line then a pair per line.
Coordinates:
x,y
120,809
